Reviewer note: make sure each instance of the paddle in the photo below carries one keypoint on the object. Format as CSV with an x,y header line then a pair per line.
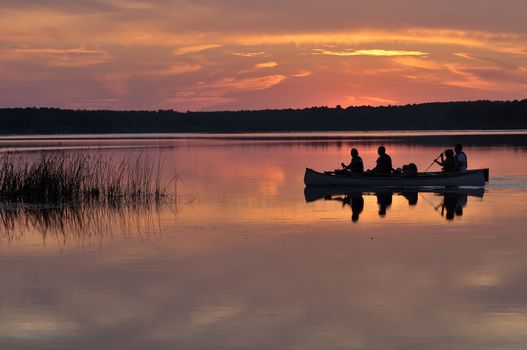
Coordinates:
x,y
433,162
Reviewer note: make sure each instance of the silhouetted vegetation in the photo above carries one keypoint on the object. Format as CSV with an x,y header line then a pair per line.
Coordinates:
x,y
61,177
428,116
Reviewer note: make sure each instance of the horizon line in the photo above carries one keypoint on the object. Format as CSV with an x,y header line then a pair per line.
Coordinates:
x,y
337,106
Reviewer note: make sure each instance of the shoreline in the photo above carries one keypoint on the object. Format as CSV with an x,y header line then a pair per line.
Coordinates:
x,y
284,135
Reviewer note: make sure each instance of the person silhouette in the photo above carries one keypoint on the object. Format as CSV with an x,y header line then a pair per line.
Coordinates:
x,y
461,158
448,162
384,162
384,200
356,165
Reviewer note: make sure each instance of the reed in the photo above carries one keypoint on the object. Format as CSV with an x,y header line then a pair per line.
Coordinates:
x,y
78,177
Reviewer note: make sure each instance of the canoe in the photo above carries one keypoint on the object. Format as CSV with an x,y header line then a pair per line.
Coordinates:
x,y
476,177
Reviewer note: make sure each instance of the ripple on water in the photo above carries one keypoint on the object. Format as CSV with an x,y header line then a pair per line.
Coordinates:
x,y
508,183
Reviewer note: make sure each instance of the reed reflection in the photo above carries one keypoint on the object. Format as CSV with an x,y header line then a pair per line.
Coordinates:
x,y
82,221
453,201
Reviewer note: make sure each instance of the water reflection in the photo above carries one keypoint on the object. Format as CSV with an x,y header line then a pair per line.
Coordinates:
x,y
243,256
83,221
451,206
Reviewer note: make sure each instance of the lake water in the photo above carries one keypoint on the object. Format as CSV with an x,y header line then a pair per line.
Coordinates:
x,y
243,258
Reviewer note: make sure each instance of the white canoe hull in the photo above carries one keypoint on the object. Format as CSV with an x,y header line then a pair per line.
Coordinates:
x,y
470,178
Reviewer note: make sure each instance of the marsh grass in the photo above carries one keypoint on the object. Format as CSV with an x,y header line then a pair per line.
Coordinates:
x,y
80,178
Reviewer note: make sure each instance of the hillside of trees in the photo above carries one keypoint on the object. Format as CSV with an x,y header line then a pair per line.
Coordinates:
x,y
427,116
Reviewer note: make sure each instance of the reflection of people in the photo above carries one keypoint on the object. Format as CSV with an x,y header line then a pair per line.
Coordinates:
x,y
453,203
450,204
384,162
357,205
356,202
384,200
356,165
461,159
448,162
412,197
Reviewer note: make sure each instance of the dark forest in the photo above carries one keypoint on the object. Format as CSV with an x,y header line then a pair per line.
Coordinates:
x,y
474,115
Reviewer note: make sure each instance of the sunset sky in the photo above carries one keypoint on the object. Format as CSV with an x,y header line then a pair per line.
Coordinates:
x,y
248,54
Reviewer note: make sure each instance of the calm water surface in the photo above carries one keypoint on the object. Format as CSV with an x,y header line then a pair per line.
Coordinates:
x,y
244,258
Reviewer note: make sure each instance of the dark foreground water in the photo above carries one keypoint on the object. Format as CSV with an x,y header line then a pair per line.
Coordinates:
x,y
244,258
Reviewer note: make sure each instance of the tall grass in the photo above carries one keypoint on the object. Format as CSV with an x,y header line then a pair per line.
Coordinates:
x,y
79,177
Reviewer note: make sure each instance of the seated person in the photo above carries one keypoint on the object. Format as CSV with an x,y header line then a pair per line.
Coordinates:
x,y
411,170
356,165
448,162
384,162
461,158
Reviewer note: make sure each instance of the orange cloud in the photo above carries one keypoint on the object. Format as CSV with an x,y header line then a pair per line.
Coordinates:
x,y
264,65
301,74
499,42
29,26
194,49
216,93
421,63
76,57
369,52
370,100
464,55
248,84
180,68
251,54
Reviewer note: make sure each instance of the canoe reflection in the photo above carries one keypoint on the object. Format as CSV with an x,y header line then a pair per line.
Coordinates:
x,y
453,199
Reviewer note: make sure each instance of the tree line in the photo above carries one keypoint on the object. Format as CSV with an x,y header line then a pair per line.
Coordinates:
x,y
427,116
